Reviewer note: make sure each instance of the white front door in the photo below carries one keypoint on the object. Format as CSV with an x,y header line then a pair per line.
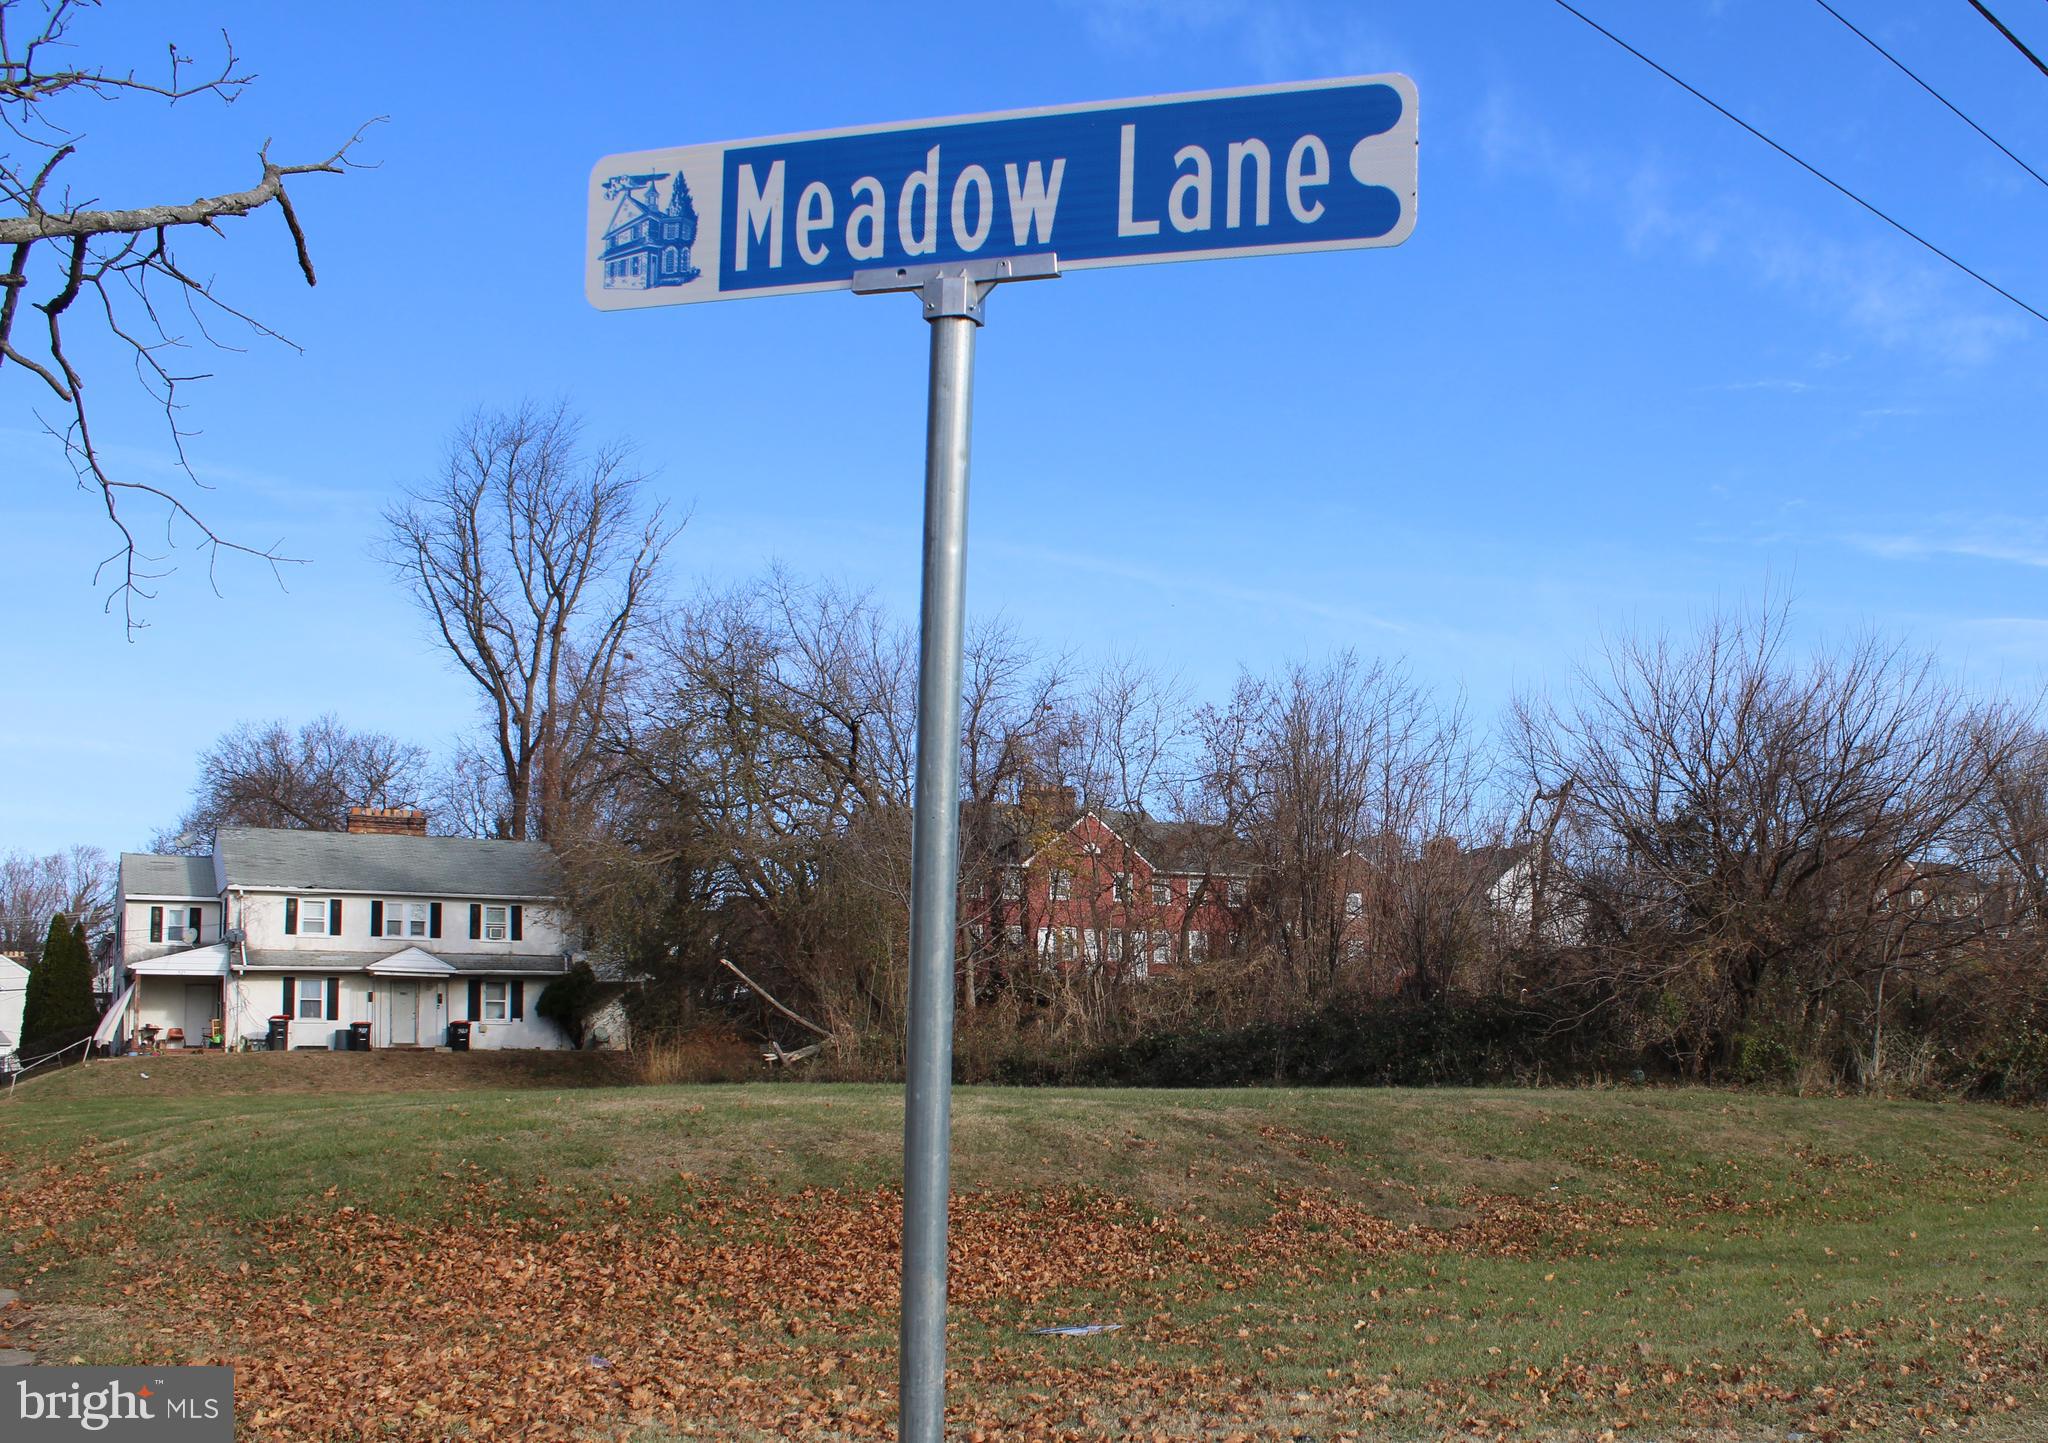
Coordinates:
x,y
405,1014
202,1005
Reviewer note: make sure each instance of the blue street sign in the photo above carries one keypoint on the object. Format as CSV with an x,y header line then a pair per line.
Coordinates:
x,y
1321,165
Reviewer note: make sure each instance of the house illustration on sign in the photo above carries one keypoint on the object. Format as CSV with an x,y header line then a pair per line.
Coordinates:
x,y
647,243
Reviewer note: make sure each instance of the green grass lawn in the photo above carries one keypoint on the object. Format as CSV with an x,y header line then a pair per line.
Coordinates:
x,y
659,1263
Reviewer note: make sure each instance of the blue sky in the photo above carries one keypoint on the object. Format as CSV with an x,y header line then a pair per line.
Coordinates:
x,y
1631,364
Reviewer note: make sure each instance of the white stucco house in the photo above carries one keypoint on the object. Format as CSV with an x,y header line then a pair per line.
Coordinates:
x,y
13,998
380,924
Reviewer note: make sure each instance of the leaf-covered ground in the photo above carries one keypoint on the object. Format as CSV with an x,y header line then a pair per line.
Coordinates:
x,y
721,1262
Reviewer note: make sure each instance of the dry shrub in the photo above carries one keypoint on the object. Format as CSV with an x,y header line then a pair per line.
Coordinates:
x,y
700,1054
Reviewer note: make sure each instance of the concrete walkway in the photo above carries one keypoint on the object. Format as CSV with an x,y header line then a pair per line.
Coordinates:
x,y
11,1312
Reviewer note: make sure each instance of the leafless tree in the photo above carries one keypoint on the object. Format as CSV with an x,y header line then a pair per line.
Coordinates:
x,y
764,773
78,883
2010,820
1755,837
269,775
120,263
1017,723
535,558
1354,789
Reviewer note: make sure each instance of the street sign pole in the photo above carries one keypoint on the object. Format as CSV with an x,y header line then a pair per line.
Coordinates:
x,y
950,209
954,296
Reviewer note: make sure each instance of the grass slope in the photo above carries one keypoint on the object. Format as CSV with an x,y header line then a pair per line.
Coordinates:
x,y
720,1262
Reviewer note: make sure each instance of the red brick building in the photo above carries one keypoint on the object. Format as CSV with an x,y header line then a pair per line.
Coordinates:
x,y
1095,888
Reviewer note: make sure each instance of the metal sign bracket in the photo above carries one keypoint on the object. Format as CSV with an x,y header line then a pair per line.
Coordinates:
x,y
956,288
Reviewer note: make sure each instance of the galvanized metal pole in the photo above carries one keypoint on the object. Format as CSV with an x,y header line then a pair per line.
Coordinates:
x,y
953,295
934,869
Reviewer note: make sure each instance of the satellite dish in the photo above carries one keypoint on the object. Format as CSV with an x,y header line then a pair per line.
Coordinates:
x,y
234,936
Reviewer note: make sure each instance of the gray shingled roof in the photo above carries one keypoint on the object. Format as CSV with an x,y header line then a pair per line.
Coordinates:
x,y
393,865
148,874
495,964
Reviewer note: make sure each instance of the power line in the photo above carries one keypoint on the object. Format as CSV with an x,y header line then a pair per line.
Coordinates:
x,y
1931,90
1818,174
2017,43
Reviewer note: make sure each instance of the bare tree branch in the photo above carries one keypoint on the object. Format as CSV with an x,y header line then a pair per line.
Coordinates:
x,y
118,255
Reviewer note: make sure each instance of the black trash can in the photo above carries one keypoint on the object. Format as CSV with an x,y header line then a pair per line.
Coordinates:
x,y
280,1038
359,1037
458,1037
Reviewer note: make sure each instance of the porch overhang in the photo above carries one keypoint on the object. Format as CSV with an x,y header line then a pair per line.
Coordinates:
x,y
412,962
193,962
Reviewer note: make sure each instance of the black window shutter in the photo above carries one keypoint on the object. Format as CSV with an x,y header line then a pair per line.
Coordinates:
x,y
291,916
195,925
334,918
334,999
376,919
476,921
287,1009
476,999
434,920
156,924
518,999
518,924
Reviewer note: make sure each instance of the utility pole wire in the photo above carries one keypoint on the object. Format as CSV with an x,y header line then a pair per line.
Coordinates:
x,y
1930,90
1818,174
2017,43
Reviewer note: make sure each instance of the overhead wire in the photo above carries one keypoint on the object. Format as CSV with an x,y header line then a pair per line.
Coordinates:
x,y
1908,72
1901,227
2017,43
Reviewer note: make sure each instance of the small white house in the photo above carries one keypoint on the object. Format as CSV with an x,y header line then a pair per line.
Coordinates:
x,y
380,924
13,998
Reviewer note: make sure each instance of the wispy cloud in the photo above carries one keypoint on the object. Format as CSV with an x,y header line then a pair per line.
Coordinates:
x,y
2010,540
1766,383
1280,40
2025,637
1275,598
1893,298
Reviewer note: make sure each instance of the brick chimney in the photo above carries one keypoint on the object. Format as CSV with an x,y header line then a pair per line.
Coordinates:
x,y
387,821
1046,799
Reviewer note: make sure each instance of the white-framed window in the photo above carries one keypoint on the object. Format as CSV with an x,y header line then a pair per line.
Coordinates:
x,y
1162,949
1013,884
1162,894
1236,891
497,924
312,916
313,999
406,919
1120,886
1198,946
1116,946
1070,941
1013,935
497,999
174,924
1354,903
1061,885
